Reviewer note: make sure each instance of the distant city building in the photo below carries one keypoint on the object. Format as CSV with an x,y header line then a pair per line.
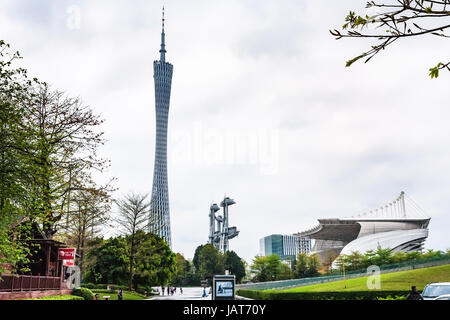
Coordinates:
x,y
160,213
287,247
399,226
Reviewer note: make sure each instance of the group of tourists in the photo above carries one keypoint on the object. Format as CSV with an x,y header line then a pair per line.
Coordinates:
x,y
171,290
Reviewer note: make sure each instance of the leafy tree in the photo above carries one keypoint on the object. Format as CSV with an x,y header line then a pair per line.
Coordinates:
x,y
210,262
329,259
381,256
85,222
314,266
285,272
63,143
267,268
355,261
155,262
399,257
307,265
108,262
411,256
395,20
196,261
134,211
429,254
192,278
15,170
48,144
301,265
384,256
179,277
235,265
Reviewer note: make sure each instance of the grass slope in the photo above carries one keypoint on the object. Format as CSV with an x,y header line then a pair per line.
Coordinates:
x,y
402,280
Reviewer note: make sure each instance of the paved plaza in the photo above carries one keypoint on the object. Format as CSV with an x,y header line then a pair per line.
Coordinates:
x,y
188,294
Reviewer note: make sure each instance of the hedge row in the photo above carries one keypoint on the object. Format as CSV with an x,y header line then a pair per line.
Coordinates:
x,y
349,295
60,297
103,286
103,291
83,292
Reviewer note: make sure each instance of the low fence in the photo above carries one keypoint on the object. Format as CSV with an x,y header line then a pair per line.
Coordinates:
x,y
403,266
12,283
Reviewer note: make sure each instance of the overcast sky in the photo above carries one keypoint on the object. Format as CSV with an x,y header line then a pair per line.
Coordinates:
x,y
262,108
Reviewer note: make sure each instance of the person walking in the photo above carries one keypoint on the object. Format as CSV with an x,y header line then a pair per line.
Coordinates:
x,y
414,295
120,294
204,293
162,290
181,290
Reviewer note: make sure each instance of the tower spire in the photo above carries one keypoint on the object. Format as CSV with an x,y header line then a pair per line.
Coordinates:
x,y
163,40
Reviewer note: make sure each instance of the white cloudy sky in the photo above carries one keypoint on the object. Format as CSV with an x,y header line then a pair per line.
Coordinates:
x,y
262,108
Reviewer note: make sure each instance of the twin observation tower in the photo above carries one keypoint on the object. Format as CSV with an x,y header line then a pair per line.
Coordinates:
x,y
160,212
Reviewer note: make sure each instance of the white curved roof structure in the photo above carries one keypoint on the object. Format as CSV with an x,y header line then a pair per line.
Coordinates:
x,y
400,225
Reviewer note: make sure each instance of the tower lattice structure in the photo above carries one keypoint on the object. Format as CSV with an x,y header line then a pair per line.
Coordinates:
x,y
160,212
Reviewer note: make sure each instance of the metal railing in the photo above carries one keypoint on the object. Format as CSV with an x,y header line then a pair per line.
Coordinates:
x,y
14,283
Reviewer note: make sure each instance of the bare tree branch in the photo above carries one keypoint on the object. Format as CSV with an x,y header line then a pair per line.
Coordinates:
x,y
396,20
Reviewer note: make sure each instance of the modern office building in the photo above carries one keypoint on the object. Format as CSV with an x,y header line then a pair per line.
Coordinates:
x,y
287,247
160,213
400,225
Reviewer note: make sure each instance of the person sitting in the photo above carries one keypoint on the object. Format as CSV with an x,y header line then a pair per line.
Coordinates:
x,y
414,295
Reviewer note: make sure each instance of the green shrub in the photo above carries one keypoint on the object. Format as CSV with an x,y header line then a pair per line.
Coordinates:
x,y
93,286
83,292
89,285
103,286
117,287
60,297
393,298
104,291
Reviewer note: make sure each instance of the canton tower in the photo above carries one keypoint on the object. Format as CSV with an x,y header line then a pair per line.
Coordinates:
x,y
160,213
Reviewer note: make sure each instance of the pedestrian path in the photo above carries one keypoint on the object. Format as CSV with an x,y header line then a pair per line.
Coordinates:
x,y
188,294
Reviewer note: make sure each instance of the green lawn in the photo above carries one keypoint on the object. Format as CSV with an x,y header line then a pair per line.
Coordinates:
x,y
113,296
402,280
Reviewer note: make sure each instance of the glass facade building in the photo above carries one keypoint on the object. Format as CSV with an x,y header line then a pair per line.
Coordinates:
x,y
287,247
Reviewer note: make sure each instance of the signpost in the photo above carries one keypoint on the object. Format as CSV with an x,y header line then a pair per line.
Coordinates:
x,y
68,267
223,287
66,254
68,263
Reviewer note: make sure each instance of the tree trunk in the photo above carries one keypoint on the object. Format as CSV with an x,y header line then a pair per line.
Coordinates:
x,y
130,283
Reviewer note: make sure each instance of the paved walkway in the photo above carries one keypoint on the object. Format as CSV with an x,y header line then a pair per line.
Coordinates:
x,y
188,294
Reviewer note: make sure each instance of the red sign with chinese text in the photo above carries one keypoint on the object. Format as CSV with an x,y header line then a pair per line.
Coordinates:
x,y
66,254
68,263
